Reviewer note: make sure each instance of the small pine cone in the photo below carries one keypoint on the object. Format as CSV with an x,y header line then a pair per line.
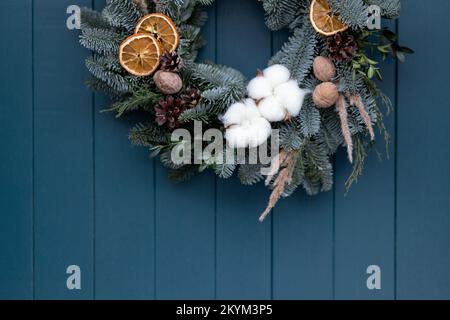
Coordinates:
x,y
191,97
342,47
167,112
171,61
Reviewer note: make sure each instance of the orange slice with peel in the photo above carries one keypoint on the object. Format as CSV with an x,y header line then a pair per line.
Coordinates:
x,y
323,20
139,54
162,28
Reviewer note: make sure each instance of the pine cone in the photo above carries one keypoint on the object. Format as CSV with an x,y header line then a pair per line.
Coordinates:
x,y
171,61
168,110
191,97
342,47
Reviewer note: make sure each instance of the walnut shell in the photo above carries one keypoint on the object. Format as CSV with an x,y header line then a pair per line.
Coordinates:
x,y
324,69
325,95
168,82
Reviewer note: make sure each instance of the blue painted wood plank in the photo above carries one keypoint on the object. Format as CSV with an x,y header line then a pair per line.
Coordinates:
x,y
16,161
63,155
303,247
423,170
302,240
243,245
185,224
364,218
124,209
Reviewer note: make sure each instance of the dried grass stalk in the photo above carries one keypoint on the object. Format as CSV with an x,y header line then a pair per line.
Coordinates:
x,y
356,100
277,162
284,179
341,107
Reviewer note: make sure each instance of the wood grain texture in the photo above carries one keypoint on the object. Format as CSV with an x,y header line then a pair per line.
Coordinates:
x,y
365,216
185,224
16,145
124,208
423,167
302,240
73,191
243,245
64,191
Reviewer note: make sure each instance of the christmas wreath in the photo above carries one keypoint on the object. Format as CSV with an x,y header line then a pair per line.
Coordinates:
x,y
318,92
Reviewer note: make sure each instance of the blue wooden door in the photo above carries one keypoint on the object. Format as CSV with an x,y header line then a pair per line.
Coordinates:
x,y
74,192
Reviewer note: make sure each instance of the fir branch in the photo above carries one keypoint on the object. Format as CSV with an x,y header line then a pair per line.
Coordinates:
x,y
250,174
309,118
103,41
330,134
93,19
319,170
148,135
122,13
290,135
224,170
221,86
101,69
360,157
280,14
166,160
144,98
389,8
202,113
99,85
298,53
351,12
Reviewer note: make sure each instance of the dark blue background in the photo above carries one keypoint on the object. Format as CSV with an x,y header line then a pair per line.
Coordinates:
x,y
73,190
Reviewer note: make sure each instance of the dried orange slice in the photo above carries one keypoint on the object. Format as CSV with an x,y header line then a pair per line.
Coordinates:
x,y
322,19
162,28
139,54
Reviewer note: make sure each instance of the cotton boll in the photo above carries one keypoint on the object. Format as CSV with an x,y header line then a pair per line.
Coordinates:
x,y
259,88
235,114
271,109
251,109
259,132
291,97
237,137
246,126
277,74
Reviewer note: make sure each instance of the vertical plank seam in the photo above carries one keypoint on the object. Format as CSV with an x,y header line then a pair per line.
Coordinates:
x,y
272,220
33,163
154,231
396,112
216,17
94,204
333,235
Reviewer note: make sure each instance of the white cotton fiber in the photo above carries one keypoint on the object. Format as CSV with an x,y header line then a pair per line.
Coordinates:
x,y
236,137
291,97
271,109
259,88
277,74
245,125
236,113
251,109
259,132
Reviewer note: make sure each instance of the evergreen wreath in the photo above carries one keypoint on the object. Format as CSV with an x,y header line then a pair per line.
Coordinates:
x,y
319,90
